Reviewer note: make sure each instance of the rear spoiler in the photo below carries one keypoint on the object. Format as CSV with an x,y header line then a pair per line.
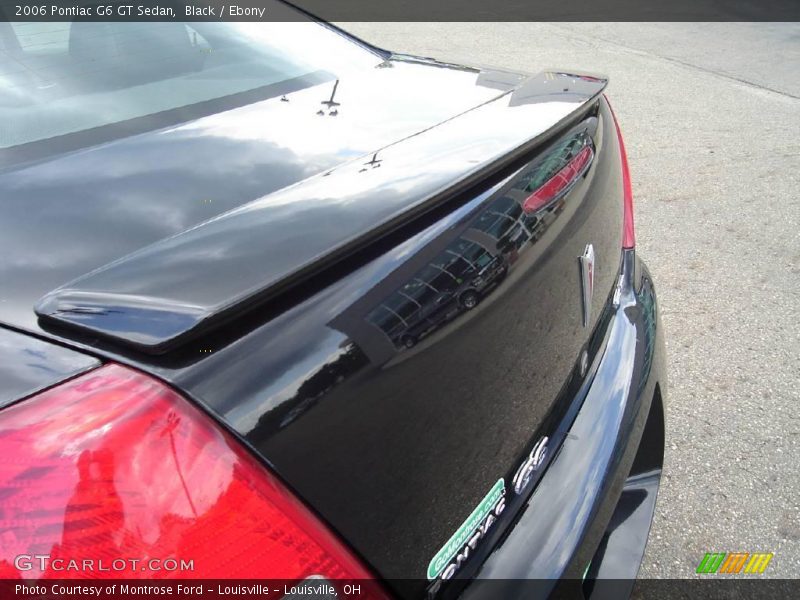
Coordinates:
x,y
178,288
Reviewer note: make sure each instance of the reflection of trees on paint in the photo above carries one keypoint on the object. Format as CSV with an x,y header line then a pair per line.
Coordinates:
x,y
311,390
647,301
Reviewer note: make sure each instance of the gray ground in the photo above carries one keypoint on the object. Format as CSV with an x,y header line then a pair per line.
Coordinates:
x,y
711,117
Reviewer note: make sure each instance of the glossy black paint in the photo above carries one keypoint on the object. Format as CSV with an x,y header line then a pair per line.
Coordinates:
x,y
392,446
395,447
28,365
398,447
598,475
158,296
66,214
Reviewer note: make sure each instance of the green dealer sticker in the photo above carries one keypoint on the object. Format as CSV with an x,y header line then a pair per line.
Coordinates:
x,y
468,527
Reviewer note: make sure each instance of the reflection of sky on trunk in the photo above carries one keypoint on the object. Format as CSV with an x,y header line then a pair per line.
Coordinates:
x,y
67,217
248,246
425,101
71,214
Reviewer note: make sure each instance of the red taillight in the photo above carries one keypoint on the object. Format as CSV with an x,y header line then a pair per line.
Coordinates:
x,y
628,237
553,187
114,466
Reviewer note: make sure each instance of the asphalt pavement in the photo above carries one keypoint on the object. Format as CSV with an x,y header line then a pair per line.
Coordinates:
x,y
711,117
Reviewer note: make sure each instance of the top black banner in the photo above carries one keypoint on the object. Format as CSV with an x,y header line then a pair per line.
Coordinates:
x,y
402,10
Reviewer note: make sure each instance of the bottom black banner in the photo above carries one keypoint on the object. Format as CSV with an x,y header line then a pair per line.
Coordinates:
x,y
321,589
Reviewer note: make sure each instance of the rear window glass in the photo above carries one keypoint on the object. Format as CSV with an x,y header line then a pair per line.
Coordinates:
x,y
61,78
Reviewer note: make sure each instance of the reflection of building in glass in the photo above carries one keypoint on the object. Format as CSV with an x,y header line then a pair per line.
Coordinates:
x,y
454,272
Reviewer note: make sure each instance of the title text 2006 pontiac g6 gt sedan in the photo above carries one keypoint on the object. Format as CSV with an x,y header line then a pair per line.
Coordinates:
x,y
280,304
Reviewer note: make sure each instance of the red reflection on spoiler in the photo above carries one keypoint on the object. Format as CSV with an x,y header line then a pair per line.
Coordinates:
x,y
554,186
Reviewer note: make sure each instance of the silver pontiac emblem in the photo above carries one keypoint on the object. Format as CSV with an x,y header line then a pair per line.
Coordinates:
x,y
587,281
535,459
